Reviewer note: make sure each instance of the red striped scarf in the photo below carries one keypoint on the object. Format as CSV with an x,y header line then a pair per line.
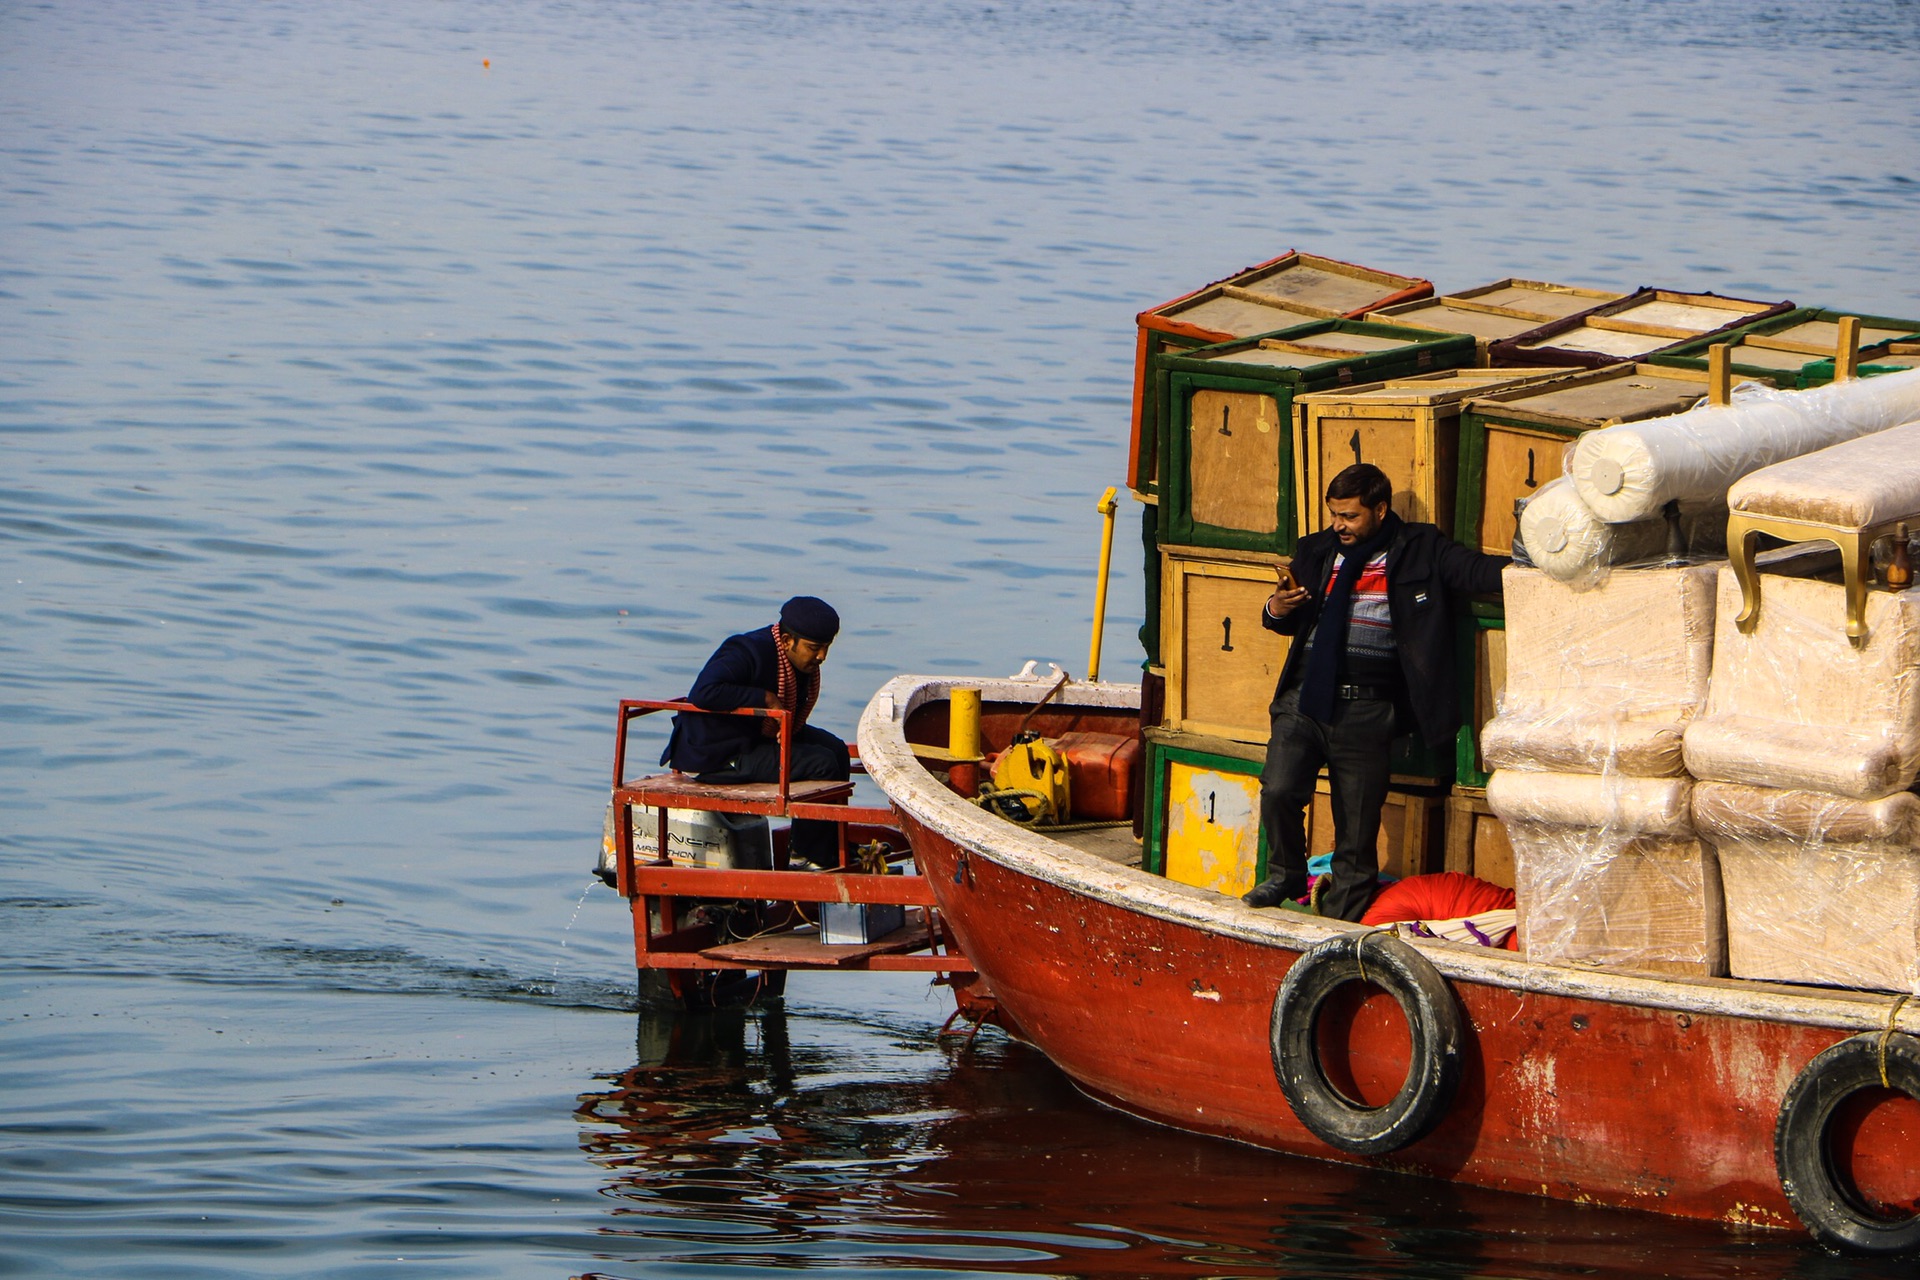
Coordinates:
x,y
796,693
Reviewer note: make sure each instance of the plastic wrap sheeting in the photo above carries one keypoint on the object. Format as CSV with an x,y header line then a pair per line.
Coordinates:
x,y
1602,680
1795,705
1568,542
1608,871
1819,889
1629,472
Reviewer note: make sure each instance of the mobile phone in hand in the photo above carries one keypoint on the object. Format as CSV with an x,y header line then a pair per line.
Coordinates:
x,y
1285,577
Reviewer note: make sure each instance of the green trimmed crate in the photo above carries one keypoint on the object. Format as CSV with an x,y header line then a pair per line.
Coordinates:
x,y
1227,456
1481,655
1282,292
1794,351
1898,357
1514,441
1408,427
1203,817
1493,312
1203,812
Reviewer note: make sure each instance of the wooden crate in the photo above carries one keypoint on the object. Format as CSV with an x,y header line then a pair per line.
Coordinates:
x,y
1477,843
1497,311
1228,468
1793,351
1897,357
1277,294
1203,817
1482,659
1408,427
1203,812
1412,830
1631,328
1221,663
1514,441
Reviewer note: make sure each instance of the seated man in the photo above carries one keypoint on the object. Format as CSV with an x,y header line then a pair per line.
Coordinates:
x,y
777,667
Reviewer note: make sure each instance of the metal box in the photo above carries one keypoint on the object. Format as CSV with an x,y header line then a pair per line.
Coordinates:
x,y
844,923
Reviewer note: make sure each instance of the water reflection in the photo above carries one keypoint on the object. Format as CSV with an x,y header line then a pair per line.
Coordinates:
x,y
724,1147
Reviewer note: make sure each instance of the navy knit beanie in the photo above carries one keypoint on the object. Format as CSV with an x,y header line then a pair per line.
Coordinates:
x,y
811,618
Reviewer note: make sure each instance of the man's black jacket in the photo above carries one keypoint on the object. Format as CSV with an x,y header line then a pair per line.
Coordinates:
x,y
741,673
1424,568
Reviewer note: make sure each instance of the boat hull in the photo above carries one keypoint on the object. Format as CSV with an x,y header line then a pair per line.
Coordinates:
x,y
1632,1091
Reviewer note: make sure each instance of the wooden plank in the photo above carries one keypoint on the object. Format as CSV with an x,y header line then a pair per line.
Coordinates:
x,y
806,951
1411,830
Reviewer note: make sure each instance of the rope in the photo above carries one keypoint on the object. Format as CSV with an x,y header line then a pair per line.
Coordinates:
x,y
1360,948
1887,1035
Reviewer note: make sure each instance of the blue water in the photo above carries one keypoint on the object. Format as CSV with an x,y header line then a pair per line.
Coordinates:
x,y
385,390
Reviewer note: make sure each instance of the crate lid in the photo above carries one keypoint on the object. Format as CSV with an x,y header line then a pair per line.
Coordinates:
x,y
1447,316
1623,393
1234,311
1818,336
1444,387
1692,312
1610,342
1536,298
1340,287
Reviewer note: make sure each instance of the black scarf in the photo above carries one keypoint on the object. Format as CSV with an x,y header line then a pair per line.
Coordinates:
x,y
1322,675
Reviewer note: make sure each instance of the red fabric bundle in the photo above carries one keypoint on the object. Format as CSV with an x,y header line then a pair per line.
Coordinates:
x,y
1446,896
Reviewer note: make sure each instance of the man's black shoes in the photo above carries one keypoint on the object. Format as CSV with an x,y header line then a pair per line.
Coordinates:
x,y
1271,892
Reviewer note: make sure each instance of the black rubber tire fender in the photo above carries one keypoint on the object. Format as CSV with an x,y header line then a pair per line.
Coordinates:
x,y
1434,1030
1824,1197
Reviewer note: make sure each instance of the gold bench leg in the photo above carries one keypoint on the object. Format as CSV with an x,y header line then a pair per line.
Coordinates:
x,y
1742,539
1856,562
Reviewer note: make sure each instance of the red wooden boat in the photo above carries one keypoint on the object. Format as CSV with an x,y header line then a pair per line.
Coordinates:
x,y
1596,1086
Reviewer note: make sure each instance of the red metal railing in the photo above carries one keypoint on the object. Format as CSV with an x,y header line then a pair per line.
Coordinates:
x,y
655,886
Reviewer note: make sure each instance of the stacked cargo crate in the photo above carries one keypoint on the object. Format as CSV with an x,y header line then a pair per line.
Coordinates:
x,y
1216,462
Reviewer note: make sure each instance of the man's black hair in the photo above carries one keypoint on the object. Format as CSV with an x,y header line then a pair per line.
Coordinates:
x,y
1364,481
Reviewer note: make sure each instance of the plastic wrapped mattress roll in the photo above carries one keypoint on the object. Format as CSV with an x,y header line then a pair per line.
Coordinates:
x,y
1569,543
1604,802
1629,472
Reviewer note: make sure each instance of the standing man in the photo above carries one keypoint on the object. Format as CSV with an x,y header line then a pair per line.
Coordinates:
x,y
777,667
1368,606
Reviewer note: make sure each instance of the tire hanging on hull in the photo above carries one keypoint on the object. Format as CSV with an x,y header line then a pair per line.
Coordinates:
x,y
1823,1195
1433,1024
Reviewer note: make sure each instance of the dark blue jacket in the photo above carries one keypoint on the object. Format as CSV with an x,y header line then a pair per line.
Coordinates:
x,y
741,673
1426,573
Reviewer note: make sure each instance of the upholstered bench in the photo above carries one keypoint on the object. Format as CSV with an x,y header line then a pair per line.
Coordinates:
x,y
1848,494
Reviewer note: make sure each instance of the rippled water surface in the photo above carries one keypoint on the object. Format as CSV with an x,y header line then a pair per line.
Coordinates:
x,y
387,389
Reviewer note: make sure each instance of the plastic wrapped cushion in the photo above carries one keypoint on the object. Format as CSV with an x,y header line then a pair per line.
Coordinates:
x,y
1608,872
1603,679
1570,543
1629,472
1795,705
1863,482
1819,889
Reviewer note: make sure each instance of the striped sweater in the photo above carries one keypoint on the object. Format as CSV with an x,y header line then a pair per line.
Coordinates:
x,y
1370,657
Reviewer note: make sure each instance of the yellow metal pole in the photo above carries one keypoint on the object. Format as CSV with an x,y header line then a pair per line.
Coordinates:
x,y
963,724
1105,507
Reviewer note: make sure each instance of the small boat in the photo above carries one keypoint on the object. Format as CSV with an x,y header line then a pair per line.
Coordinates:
x,y
1174,1004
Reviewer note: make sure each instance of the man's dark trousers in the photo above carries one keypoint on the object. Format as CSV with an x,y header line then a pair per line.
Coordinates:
x,y
817,755
1353,748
